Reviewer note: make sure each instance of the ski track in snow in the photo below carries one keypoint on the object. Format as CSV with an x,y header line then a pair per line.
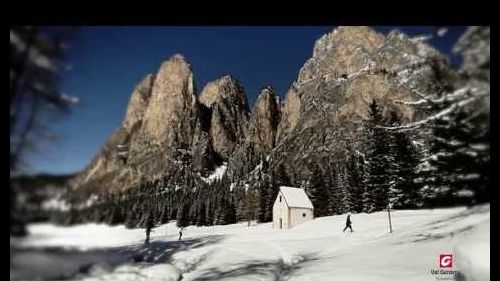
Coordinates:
x,y
316,250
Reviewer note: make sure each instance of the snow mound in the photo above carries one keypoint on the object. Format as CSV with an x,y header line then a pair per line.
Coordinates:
x,y
163,272
99,269
473,254
216,175
157,272
55,204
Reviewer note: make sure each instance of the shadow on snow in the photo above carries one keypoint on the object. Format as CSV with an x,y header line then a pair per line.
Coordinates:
x,y
272,269
449,221
44,262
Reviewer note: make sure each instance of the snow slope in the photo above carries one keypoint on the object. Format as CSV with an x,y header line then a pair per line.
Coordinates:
x,y
316,250
475,267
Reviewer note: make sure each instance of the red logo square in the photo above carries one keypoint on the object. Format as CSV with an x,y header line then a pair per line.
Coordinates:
x,y
445,260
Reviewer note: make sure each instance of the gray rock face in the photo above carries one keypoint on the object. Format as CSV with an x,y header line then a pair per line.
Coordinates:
x,y
261,134
138,102
158,126
353,65
230,113
264,120
171,107
325,107
336,55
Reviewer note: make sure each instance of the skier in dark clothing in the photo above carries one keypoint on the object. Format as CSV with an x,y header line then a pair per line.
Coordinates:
x,y
348,223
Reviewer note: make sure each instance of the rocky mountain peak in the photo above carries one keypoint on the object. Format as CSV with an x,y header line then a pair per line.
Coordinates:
x,y
179,58
351,66
267,91
267,101
396,34
221,88
404,44
260,137
342,51
229,113
358,36
264,119
168,127
138,102
172,95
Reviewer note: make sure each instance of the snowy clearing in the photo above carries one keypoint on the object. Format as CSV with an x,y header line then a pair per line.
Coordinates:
x,y
316,250
217,174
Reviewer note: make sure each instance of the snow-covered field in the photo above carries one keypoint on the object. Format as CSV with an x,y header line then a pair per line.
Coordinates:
x,y
316,250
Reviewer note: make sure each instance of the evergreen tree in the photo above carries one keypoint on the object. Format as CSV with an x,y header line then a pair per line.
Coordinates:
x,y
200,215
264,188
230,214
318,192
209,213
368,201
403,192
250,205
239,195
116,216
380,166
274,184
355,176
335,199
342,196
457,170
164,218
183,215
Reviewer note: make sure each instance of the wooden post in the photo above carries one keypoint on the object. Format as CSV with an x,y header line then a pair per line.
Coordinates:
x,y
389,214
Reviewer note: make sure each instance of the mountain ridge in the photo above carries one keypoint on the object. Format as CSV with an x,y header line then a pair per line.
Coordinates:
x,y
169,125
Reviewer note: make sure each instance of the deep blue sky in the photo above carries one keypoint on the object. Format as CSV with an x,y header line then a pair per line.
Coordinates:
x,y
108,62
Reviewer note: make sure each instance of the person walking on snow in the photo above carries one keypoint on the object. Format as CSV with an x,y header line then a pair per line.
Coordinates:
x,y
149,226
180,233
348,223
